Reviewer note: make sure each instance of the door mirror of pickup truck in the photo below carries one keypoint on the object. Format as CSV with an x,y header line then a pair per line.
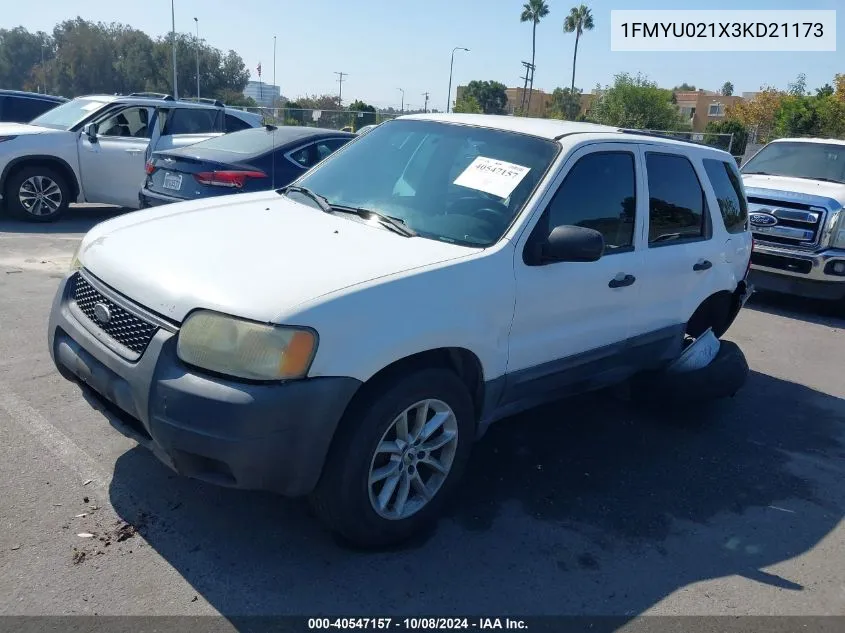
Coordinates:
x,y
572,244
90,131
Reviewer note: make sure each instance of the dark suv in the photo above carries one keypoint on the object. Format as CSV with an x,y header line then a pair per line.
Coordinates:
x,y
21,107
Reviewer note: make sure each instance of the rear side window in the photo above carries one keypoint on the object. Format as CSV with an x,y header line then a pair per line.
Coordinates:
x,y
24,109
732,203
676,204
599,193
193,121
234,124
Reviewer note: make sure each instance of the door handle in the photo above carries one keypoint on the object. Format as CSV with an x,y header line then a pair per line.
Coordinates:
x,y
617,282
703,265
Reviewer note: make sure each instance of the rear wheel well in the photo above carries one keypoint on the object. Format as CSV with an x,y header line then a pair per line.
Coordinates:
x,y
714,312
457,359
56,164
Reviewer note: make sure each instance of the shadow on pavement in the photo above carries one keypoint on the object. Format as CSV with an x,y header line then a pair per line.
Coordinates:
x,y
582,507
810,310
77,219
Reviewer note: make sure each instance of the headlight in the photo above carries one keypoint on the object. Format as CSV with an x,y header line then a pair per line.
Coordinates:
x,y
837,240
75,263
244,349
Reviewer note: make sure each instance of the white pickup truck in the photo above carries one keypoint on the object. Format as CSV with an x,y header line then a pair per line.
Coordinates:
x,y
796,196
93,149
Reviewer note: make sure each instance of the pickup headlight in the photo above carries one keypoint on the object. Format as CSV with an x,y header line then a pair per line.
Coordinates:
x,y
75,263
837,240
244,349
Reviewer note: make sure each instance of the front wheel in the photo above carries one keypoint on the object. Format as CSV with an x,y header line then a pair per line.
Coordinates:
x,y
37,194
396,458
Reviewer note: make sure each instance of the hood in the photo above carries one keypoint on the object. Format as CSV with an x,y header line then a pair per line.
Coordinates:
x,y
19,129
249,255
800,186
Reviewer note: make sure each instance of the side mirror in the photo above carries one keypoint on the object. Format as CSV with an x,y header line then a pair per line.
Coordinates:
x,y
90,131
572,244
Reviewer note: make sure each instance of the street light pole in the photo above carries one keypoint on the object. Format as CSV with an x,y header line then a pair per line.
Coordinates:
x,y
173,38
43,72
274,76
451,69
402,109
198,58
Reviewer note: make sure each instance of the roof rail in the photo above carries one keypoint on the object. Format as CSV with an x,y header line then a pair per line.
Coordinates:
x,y
151,95
214,102
664,136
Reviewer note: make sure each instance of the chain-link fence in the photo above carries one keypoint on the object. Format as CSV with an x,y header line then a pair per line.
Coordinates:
x,y
331,119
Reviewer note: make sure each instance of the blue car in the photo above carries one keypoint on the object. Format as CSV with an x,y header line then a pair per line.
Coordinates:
x,y
257,159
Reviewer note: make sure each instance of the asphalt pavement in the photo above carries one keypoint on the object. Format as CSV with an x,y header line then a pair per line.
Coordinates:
x,y
587,506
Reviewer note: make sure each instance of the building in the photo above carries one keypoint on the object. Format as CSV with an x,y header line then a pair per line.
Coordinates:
x,y
265,95
700,107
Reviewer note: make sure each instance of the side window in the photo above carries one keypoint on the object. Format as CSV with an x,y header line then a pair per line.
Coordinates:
x,y
306,157
732,203
193,121
676,204
324,148
599,192
127,123
24,109
234,124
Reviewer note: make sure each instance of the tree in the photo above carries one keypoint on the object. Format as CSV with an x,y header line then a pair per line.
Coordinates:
x,y
368,111
798,88
20,51
467,104
564,104
758,114
825,91
533,11
739,131
727,89
684,87
636,102
580,19
489,95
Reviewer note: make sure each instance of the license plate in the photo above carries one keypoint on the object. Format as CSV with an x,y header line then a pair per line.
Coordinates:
x,y
172,181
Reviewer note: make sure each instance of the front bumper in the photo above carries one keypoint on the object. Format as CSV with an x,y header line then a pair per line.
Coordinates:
x,y
267,436
795,272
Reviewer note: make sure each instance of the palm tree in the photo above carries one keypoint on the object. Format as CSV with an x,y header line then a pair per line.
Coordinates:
x,y
533,11
580,19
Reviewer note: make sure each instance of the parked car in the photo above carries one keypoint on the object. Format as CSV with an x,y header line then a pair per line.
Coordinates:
x,y
796,195
350,336
17,106
252,160
366,128
93,149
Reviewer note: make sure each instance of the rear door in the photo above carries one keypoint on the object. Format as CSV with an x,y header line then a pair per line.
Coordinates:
x,y
112,164
183,126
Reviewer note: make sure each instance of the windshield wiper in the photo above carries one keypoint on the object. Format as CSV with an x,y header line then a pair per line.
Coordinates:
x,y
321,201
394,224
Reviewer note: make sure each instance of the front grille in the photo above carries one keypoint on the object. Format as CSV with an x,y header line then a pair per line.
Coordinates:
x,y
131,331
797,224
782,263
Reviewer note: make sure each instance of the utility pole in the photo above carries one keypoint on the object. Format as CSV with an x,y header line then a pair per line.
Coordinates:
x,y
173,36
274,76
340,80
402,109
425,107
198,58
530,89
525,85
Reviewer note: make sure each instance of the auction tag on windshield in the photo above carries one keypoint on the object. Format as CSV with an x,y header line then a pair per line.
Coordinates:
x,y
492,176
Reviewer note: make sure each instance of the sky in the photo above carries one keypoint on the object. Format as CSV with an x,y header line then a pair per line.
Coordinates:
x,y
386,45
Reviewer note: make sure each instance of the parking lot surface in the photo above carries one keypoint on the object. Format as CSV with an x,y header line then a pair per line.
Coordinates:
x,y
586,506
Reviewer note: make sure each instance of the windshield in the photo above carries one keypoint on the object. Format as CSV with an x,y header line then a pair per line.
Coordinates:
x,y
454,183
68,114
817,161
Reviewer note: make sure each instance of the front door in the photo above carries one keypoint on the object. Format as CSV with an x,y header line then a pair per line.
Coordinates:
x,y
572,320
112,164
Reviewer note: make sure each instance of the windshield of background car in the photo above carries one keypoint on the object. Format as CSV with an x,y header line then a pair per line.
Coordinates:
x,y
449,182
68,114
817,161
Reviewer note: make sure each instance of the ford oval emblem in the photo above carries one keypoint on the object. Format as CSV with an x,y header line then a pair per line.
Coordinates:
x,y
762,219
102,313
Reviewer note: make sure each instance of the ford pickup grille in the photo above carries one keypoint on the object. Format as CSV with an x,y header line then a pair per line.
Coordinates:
x,y
785,223
127,329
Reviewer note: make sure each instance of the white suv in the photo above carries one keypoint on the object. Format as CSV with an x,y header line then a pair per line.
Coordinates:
x,y
93,149
350,336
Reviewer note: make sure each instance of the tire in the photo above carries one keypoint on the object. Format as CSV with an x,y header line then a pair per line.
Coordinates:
x,y
344,498
22,194
722,378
